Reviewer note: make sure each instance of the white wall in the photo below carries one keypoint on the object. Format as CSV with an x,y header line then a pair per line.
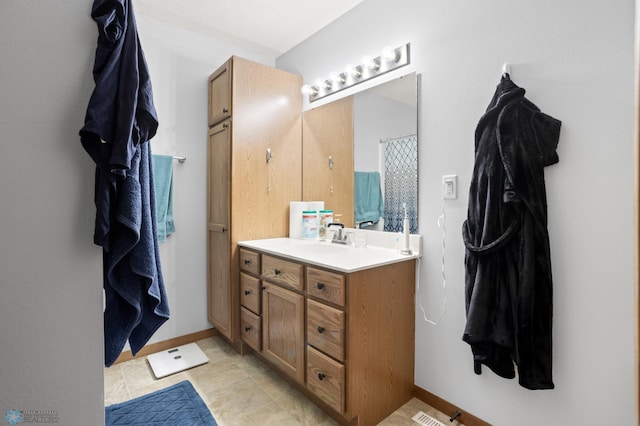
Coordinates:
x,y
376,117
50,271
575,59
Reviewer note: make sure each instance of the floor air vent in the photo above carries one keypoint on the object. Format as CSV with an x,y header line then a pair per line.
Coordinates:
x,y
426,420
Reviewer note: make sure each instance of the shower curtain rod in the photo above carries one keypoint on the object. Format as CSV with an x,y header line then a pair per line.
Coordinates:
x,y
397,137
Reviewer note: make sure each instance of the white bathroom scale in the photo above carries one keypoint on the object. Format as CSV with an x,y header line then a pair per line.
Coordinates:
x,y
177,359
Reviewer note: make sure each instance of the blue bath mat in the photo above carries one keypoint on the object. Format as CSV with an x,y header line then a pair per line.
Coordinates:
x,y
177,405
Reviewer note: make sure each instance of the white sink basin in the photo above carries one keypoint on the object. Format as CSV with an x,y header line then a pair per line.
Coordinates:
x,y
319,248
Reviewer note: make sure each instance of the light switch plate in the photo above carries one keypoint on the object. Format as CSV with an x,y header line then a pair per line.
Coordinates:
x,y
450,187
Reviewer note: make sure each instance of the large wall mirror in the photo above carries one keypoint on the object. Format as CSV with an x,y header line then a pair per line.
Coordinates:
x,y
360,155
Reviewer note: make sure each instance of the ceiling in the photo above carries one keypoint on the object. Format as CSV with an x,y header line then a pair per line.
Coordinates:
x,y
271,25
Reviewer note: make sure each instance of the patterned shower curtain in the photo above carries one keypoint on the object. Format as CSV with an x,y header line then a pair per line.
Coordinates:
x,y
400,182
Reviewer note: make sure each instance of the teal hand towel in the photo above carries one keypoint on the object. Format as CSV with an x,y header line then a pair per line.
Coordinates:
x,y
163,184
369,205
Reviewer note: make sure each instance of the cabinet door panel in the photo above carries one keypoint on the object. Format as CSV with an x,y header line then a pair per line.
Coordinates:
x,y
220,94
219,243
328,132
218,275
283,332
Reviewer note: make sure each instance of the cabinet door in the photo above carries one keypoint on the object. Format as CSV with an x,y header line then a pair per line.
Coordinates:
x,y
282,329
267,149
327,155
219,244
220,94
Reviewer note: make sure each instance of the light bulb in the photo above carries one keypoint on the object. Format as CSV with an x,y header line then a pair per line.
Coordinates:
x,y
353,71
337,78
323,84
390,55
371,63
308,90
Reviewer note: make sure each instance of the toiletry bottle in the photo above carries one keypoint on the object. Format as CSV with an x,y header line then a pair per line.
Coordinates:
x,y
326,217
309,224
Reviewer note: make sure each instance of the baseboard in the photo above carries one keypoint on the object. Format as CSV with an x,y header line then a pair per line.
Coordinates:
x,y
447,408
167,344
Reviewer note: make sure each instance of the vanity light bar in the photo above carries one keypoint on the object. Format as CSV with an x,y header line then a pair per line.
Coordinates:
x,y
371,67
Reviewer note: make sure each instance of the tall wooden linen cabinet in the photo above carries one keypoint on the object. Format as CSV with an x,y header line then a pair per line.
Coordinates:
x,y
254,162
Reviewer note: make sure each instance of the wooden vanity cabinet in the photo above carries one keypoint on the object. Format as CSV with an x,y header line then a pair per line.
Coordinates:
x,y
347,339
254,168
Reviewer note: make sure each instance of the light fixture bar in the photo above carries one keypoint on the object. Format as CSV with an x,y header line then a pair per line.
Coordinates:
x,y
372,67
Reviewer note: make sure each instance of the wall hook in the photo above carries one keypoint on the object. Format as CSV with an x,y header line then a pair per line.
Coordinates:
x,y
268,155
506,70
331,162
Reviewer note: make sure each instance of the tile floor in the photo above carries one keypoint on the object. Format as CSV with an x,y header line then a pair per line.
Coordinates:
x,y
240,390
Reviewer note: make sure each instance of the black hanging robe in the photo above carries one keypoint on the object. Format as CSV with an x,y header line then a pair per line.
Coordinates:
x,y
509,294
119,122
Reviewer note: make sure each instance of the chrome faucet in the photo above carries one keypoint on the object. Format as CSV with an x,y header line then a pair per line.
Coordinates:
x,y
339,236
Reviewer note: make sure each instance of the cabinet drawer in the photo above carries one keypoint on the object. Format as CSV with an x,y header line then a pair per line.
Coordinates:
x,y
282,272
250,329
326,285
326,379
250,292
325,329
250,261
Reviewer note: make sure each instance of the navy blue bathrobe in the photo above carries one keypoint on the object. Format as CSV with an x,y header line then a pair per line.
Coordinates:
x,y
508,283
119,122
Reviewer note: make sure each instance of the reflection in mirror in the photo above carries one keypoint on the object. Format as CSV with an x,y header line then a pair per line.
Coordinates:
x,y
386,155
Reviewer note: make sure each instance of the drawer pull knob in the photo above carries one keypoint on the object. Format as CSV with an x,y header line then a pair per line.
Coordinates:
x,y
247,292
247,262
277,271
321,376
320,286
320,329
247,328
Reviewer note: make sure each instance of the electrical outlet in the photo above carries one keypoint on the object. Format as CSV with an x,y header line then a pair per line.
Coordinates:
x,y
450,187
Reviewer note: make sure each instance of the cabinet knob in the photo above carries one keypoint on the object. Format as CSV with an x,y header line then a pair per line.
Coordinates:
x,y
320,286
247,292
225,110
247,328
321,376
247,261
320,329
225,126
277,271
263,288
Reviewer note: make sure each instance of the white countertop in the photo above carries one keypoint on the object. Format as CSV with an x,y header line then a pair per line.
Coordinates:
x,y
343,258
